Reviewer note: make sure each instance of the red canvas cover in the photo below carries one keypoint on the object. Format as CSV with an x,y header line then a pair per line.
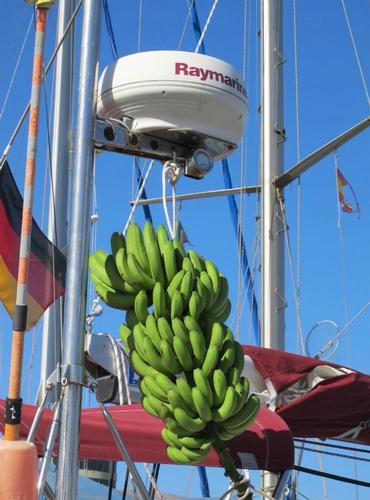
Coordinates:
x,y
267,444
330,409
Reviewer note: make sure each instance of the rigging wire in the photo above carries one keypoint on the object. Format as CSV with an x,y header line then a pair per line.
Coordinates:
x,y
46,71
336,446
290,259
335,477
109,27
12,45
331,454
356,52
10,87
190,6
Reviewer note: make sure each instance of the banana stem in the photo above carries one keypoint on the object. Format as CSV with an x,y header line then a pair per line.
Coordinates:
x,y
228,464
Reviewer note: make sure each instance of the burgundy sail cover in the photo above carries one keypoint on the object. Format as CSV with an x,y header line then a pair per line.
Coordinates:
x,y
267,444
328,410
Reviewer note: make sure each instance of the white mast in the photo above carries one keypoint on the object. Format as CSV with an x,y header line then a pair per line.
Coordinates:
x,y
272,135
57,229
78,232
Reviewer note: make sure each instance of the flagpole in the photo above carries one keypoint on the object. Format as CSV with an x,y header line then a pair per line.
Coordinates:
x,y
74,312
14,402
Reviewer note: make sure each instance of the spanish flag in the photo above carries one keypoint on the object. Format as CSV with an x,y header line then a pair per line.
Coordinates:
x,y
47,268
346,206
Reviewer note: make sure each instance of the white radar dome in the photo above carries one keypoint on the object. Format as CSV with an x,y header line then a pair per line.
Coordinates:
x,y
181,97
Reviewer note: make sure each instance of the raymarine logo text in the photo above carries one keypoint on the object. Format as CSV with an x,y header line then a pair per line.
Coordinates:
x,y
207,74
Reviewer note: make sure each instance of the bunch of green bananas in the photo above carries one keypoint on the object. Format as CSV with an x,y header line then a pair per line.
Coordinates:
x,y
189,363
193,385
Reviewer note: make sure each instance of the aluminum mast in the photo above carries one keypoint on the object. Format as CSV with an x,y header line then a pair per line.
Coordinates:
x,y
74,314
272,136
57,229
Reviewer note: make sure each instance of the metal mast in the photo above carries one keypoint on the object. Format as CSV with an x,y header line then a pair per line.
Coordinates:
x,y
74,315
273,136
57,230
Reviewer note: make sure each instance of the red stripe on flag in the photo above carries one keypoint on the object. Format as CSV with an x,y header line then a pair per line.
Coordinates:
x,y
41,286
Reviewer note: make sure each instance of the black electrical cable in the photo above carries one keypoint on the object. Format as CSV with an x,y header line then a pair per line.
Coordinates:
x,y
342,479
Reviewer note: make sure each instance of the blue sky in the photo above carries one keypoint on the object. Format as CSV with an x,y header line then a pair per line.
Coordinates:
x,y
335,280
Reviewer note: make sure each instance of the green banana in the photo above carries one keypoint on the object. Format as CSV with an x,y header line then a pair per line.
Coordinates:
x,y
169,358
227,408
177,305
148,234
184,390
117,300
186,286
207,282
214,274
170,438
131,319
195,442
198,264
200,402
179,252
158,406
175,283
165,330
202,291
183,354
104,267
139,335
135,246
180,330
153,389
242,396
223,295
227,356
202,383
217,335
154,359
219,386
175,427
164,382
141,306
169,261
148,407
188,423
162,237
159,300
152,331
117,241
240,421
210,361
155,262
178,456
194,455
127,337
224,313
192,324
195,305
176,401
188,266
124,271
140,366
138,273
198,345
239,357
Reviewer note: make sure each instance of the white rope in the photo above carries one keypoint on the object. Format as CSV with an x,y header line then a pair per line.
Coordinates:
x,y
290,259
321,465
356,53
138,196
190,6
171,171
16,69
212,11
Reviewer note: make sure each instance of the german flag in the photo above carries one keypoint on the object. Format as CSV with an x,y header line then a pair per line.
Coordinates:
x,y
47,268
